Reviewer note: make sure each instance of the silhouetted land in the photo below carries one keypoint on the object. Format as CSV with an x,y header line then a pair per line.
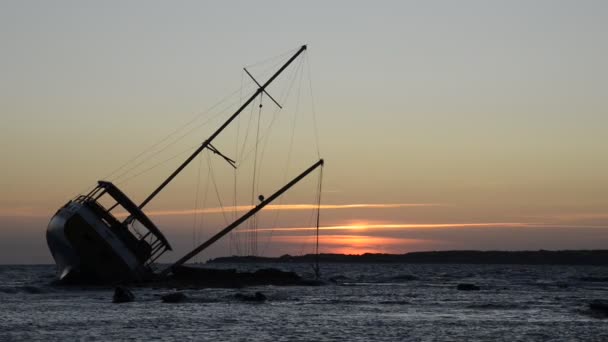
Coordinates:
x,y
542,257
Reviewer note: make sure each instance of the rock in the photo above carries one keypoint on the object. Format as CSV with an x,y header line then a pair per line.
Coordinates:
x,y
311,282
339,279
599,306
32,289
274,276
257,297
594,279
467,287
174,297
194,276
122,295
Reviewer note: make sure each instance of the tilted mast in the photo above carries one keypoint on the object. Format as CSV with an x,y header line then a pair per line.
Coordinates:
x,y
207,143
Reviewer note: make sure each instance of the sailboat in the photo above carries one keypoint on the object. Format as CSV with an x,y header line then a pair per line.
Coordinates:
x,y
91,242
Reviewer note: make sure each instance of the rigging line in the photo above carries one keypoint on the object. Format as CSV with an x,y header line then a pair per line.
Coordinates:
x,y
318,219
285,173
297,74
217,192
252,106
246,134
156,165
236,150
297,108
310,224
281,98
189,122
192,129
285,94
267,138
243,149
202,220
198,183
312,100
234,170
253,183
196,117
172,142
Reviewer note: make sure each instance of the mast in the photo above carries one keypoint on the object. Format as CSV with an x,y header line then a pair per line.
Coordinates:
x,y
242,219
207,143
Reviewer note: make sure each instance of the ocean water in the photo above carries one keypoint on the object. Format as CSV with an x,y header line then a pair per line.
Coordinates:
x,y
367,302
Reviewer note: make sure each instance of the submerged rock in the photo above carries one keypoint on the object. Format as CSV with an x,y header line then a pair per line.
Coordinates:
x,y
467,287
311,282
339,279
275,276
594,279
188,276
32,289
257,297
600,306
174,297
122,295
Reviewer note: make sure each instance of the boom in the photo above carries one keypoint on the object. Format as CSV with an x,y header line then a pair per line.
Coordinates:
x,y
242,219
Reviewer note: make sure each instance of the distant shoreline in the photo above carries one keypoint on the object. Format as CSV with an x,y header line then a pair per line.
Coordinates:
x,y
541,257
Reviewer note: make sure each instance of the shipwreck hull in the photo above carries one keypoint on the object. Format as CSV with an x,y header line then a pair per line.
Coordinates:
x,y
90,244
86,249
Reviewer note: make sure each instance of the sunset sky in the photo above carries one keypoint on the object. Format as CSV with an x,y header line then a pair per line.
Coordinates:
x,y
444,124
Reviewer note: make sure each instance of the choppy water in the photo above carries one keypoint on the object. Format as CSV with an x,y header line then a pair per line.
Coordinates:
x,y
371,302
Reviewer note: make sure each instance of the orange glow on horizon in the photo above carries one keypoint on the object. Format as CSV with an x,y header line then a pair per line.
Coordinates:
x,y
365,226
356,244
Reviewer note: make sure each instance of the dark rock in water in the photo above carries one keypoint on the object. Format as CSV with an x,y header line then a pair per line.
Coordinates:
x,y
257,297
311,282
187,276
600,306
206,277
31,289
338,279
467,287
594,279
122,295
276,277
8,290
174,297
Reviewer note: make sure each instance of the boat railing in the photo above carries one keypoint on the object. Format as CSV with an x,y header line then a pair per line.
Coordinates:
x,y
139,233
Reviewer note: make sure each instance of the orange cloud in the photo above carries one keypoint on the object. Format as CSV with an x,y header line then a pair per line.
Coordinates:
x,y
370,226
274,207
579,216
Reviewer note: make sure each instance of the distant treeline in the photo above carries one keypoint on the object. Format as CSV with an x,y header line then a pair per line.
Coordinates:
x,y
542,257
